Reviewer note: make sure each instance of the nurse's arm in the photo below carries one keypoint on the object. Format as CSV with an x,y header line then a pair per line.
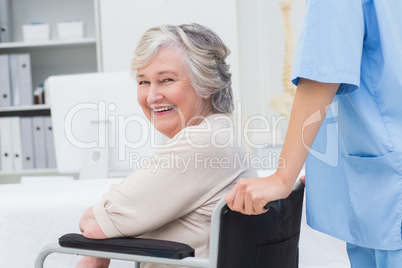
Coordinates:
x,y
249,196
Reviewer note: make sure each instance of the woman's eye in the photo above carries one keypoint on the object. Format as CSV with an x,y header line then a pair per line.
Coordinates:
x,y
143,83
167,80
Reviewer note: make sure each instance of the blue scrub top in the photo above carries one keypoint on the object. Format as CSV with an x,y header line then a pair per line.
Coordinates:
x,y
354,168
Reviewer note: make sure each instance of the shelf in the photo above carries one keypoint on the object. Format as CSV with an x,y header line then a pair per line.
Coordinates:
x,y
53,171
50,43
34,110
29,172
14,176
25,108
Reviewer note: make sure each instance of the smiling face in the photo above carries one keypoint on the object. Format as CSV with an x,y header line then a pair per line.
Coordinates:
x,y
166,95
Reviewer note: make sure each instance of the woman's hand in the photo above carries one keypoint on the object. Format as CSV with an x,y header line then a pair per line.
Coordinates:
x,y
249,196
92,262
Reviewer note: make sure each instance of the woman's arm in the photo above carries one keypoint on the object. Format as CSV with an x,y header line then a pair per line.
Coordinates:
x,y
92,262
89,226
249,196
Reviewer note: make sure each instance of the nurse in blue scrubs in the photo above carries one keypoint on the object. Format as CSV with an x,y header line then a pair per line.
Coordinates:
x,y
346,124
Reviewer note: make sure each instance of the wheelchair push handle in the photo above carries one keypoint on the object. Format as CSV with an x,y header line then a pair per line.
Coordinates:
x,y
276,205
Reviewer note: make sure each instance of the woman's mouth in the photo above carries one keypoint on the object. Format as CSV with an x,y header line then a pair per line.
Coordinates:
x,y
162,110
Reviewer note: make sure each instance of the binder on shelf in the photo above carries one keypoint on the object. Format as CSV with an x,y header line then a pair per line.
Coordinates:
x,y
38,125
6,148
5,86
21,79
16,142
5,21
50,149
27,142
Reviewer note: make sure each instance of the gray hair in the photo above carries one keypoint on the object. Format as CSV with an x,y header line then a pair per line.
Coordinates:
x,y
204,58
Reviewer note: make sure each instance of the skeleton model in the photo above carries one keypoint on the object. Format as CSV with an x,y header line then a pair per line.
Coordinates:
x,y
282,103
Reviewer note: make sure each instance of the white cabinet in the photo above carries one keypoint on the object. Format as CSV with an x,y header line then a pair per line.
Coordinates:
x,y
12,176
53,56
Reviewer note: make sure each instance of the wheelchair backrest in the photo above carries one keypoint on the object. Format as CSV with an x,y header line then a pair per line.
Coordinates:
x,y
269,240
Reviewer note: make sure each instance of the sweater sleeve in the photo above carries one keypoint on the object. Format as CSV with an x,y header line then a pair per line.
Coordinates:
x,y
175,181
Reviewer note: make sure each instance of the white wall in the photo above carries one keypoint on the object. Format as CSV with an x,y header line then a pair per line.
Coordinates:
x,y
262,51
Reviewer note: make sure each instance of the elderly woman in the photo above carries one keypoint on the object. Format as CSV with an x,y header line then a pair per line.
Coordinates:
x,y
184,89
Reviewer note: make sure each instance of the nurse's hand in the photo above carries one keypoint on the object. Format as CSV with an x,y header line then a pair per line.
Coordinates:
x,y
249,196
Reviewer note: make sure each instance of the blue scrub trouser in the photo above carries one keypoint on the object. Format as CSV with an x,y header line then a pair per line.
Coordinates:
x,y
371,258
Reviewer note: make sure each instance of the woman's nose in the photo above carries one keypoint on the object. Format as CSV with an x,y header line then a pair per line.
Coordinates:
x,y
154,94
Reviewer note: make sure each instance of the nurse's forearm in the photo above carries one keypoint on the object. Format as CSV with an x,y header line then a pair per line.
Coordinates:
x,y
249,196
311,96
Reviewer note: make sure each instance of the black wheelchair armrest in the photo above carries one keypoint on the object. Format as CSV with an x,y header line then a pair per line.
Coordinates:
x,y
138,246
